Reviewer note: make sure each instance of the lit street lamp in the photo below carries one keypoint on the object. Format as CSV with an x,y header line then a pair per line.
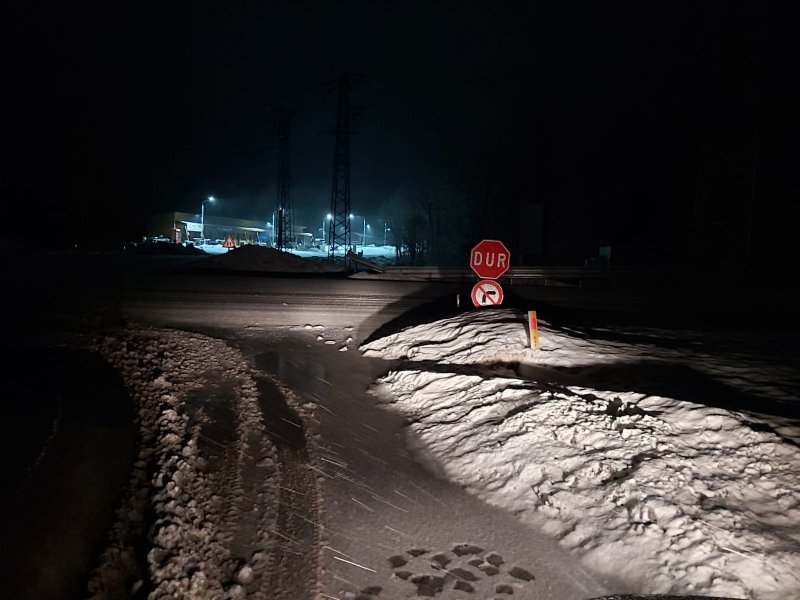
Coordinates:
x,y
203,218
322,236
385,229
364,241
349,233
269,227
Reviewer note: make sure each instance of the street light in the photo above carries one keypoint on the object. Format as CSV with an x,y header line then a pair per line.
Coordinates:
x,y
364,242
271,229
203,218
385,229
322,236
349,231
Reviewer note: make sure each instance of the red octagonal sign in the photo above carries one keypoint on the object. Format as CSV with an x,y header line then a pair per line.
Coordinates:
x,y
489,259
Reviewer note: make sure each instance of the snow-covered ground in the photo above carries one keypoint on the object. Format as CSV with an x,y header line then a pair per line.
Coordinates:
x,y
671,495
252,257
372,252
204,490
670,488
189,556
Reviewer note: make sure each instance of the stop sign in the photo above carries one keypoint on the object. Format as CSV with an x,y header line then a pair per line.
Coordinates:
x,y
489,259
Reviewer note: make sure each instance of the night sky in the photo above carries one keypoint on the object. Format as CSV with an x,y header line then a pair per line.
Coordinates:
x,y
631,124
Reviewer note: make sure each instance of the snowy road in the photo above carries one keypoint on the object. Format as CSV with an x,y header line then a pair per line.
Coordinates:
x,y
268,470
387,517
381,507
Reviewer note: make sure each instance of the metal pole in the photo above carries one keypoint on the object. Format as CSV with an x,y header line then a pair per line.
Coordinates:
x,y
202,222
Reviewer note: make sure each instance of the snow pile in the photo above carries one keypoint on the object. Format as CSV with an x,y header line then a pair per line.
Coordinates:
x,y
269,260
200,474
490,336
672,496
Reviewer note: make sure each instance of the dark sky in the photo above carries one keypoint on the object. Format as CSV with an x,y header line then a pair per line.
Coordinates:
x,y
607,112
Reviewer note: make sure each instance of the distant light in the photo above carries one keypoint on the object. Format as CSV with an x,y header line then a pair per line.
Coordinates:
x,y
330,216
369,226
351,215
211,199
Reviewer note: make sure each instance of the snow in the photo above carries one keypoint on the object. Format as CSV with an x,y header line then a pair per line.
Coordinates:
x,y
253,257
195,480
673,495
670,494
263,259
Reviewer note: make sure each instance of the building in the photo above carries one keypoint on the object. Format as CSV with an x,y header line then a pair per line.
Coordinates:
x,y
186,227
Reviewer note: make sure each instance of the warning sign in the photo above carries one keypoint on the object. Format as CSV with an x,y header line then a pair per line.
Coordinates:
x,y
229,243
487,293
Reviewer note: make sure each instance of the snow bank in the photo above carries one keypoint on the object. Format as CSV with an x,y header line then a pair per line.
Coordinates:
x,y
473,337
202,496
674,497
269,260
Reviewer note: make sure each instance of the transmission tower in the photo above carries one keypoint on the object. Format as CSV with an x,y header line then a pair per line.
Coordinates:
x,y
339,234
283,222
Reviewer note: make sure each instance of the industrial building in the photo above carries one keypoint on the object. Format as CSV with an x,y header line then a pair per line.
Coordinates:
x,y
183,227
